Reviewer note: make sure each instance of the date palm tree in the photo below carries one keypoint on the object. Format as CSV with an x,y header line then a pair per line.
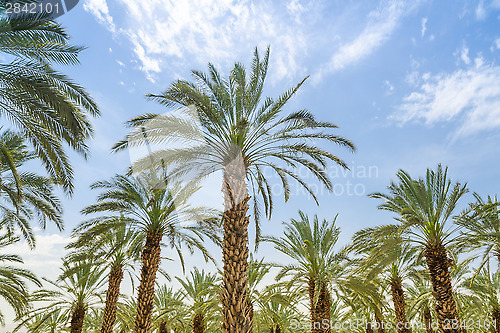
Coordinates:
x,y
425,207
116,250
76,289
311,245
157,212
387,257
25,195
47,107
201,291
242,134
13,280
170,310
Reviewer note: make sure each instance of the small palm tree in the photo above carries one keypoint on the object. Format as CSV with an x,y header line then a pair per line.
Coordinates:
x,y
424,208
421,299
116,250
46,106
311,244
76,289
201,291
25,195
385,256
155,212
170,310
13,280
244,135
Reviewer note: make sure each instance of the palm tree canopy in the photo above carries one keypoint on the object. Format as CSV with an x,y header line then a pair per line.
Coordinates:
x,y
222,120
424,205
45,105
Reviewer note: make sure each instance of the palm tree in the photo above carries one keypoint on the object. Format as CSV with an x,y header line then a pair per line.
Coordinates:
x,y
26,195
155,212
13,280
201,291
421,299
385,256
424,207
116,250
46,106
170,310
76,289
311,244
242,134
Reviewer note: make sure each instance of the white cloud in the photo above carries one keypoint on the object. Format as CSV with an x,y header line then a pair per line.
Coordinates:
x,y
464,55
424,27
470,96
497,43
381,24
99,8
480,11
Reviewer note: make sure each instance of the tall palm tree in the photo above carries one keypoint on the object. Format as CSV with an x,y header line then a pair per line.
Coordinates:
x,y
201,290
385,256
311,245
76,289
156,212
13,280
242,134
25,195
117,251
47,107
424,208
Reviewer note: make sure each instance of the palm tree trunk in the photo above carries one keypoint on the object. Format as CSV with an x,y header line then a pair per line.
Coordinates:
x,y
320,310
398,299
237,316
496,319
380,324
150,258
368,327
438,265
428,321
114,280
163,327
198,323
77,318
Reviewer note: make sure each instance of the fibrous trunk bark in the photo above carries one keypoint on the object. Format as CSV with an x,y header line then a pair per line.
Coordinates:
x,y
438,265
496,319
428,321
198,323
320,310
114,280
368,327
163,327
380,324
150,258
236,305
398,299
77,318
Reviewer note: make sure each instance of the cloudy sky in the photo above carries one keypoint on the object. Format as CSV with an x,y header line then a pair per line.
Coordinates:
x,y
412,84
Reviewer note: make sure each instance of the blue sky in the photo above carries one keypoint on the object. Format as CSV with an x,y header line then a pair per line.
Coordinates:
x,y
412,84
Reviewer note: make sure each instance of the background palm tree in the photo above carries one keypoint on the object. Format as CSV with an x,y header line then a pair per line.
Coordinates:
x,y
170,310
155,212
13,280
242,134
76,289
26,195
46,106
116,250
424,207
317,266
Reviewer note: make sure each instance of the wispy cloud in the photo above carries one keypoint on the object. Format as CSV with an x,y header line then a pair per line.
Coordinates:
x,y
480,11
468,96
99,8
423,29
381,24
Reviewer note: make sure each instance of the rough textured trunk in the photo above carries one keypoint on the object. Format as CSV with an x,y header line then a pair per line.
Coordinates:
x,y
163,327
320,310
198,323
114,280
236,310
77,318
150,258
380,324
398,299
428,321
495,314
438,265
368,327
